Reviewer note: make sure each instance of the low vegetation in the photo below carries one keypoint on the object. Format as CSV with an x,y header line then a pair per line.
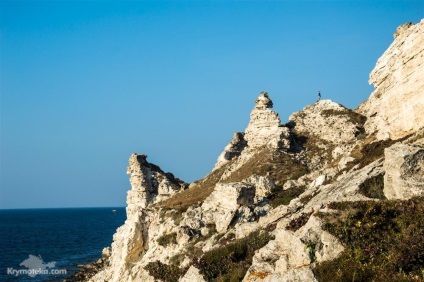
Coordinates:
x,y
195,195
279,166
167,239
231,262
371,150
165,272
373,187
384,241
298,222
349,114
283,197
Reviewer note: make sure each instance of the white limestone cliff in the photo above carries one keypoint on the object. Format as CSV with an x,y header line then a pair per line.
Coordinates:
x,y
396,107
319,154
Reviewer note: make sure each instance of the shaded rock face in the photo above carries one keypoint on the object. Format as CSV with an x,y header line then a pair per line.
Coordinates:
x,y
404,167
233,149
395,109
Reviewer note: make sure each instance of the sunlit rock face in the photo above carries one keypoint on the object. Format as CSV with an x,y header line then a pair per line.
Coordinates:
x,y
265,126
396,107
404,167
273,177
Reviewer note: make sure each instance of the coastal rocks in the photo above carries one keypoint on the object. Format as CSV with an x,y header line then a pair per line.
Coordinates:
x,y
277,179
395,109
149,184
131,241
221,206
404,171
264,127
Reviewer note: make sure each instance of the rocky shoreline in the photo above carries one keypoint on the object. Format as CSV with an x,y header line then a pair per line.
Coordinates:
x,y
87,271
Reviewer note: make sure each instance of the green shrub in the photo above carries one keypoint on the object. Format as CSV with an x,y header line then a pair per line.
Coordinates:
x,y
299,221
167,239
283,197
373,187
165,272
230,262
311,246
384,241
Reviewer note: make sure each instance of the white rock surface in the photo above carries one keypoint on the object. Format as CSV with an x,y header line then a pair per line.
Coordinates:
x,y
404,171
395,109
192,275
287,258
221,206
265,126
327,120
239,208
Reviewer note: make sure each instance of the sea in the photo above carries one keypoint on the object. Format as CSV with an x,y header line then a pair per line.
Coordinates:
x,y
48,244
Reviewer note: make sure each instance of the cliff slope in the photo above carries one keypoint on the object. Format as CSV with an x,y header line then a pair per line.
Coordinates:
x,y
288,202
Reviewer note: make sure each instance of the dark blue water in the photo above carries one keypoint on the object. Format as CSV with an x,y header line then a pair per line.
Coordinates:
x,y
65,236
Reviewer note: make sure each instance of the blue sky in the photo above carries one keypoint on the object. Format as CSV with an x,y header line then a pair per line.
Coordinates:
x,y
86,83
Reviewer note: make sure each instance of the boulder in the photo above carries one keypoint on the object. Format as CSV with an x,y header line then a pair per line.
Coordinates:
x,y
404,167
221,206
265,126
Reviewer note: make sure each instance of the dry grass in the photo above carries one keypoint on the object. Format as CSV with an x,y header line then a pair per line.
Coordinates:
x,y
277,165
352,116
194,195
371,150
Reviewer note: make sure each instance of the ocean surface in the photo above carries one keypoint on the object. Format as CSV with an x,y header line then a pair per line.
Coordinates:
x,y
54,239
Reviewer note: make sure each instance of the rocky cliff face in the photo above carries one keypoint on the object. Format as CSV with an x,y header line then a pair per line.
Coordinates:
x,y
395,109
258,216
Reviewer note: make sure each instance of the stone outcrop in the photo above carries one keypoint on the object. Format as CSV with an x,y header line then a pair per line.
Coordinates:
x,y
149,183
327,130
131,241
404,171
395,109
279,179
233,149
221,206
327,120
289,256
265,126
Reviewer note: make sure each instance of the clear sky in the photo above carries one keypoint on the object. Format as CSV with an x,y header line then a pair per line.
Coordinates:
x,y
86,83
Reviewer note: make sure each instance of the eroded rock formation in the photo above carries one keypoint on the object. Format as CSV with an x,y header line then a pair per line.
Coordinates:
x,y
258,210
395,109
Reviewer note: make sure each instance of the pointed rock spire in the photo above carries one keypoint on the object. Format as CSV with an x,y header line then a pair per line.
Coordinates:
x,y
264,125
263,101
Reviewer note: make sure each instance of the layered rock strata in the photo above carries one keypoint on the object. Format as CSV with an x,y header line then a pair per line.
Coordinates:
x,y
395,109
